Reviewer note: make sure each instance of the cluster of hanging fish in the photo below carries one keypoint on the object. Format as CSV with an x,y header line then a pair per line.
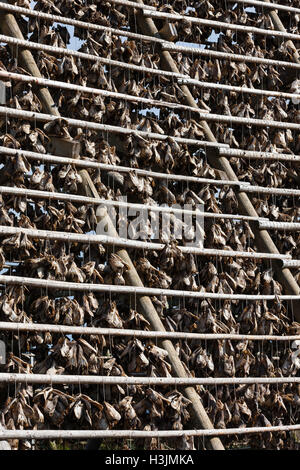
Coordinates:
x,y
140,407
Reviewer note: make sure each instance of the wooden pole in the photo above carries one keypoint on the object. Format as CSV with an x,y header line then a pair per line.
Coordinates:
x,y
68,237
272,5
138,291
173,335
9,27
122,434
57,379
107,128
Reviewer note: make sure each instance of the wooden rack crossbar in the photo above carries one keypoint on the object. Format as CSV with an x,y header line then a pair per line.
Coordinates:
x,y
126,33
258,155
106,128
66,197
259,3
137,68
87,163
175,335
77,23
291,264
137,99
182,79
265,5
236,89
220,25
152,174
219,118
264,190
135,244
210,54
282,226
136,291
129,434
97,91
129,4
125,380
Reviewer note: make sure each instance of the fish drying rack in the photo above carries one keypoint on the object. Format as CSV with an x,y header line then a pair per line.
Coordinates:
x,y
229,347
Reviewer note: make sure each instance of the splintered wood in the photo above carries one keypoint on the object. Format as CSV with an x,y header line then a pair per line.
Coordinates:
x,y
169,317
